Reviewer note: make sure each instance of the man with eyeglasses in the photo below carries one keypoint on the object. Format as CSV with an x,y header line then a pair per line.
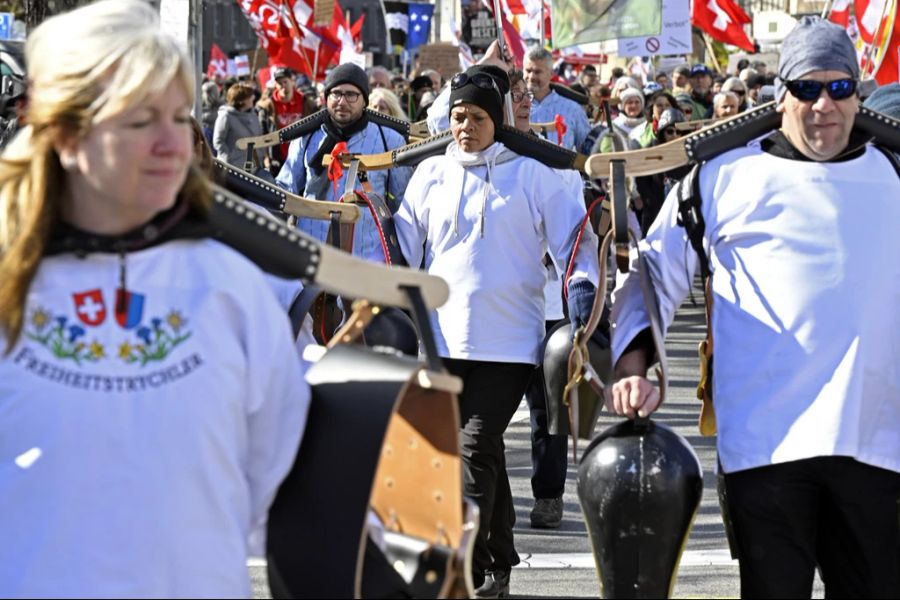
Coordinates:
x,y
347,95
546,104
804,288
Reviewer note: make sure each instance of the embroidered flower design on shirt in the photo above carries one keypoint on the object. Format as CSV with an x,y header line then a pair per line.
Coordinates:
x,y
61,338
156,340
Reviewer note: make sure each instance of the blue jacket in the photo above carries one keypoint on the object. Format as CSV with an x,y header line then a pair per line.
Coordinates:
x,y
298,177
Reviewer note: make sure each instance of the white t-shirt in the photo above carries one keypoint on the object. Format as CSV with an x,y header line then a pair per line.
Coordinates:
x,y
141,450
806,285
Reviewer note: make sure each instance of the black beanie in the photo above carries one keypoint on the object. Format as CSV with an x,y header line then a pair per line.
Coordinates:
x,y
348,73
499,75
488,100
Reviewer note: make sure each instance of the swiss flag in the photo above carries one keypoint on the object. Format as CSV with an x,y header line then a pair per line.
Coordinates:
x,y
289,37
89,307
218,63
840,12
890,64
864,20
724,21
514,41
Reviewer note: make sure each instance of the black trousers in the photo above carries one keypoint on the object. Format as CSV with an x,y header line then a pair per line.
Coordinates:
x,y
549,457
834,512
491,393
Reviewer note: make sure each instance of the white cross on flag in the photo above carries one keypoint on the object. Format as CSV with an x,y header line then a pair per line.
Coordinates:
x,y
89,307
723,20
218,63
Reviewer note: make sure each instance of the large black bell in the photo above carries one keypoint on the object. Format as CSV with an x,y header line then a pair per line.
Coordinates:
x,y
392,328
555,365
639,484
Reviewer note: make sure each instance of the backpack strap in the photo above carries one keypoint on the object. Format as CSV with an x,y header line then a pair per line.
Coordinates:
x,y
690,216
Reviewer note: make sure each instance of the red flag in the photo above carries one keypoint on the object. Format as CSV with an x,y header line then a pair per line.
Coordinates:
x,y
356,29
840,12
515,7
284,29
890,64
514,41
218,63
723,20
865,20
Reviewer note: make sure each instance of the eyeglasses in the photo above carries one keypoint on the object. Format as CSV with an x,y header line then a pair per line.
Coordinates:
x,y
519,96
808,90
351,97
480,80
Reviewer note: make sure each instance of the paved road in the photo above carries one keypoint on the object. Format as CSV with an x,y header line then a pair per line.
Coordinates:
x,y
558,563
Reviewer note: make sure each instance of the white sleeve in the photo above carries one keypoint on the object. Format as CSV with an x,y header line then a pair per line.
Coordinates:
x,y
671,262
411,227
562,214
438,119
276,405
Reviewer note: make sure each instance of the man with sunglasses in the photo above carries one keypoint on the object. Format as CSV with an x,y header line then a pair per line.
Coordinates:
x,y
803,285
347,95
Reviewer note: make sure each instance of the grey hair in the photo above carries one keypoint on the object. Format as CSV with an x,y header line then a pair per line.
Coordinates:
x,y
538,53
721,96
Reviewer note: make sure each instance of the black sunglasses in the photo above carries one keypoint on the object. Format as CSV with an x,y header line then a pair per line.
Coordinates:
x,y
808,90
481,80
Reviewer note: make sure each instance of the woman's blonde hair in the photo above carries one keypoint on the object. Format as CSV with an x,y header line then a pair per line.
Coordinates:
x,y
84,66
391,99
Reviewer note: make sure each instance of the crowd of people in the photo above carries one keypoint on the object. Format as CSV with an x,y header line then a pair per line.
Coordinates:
x,y
151,394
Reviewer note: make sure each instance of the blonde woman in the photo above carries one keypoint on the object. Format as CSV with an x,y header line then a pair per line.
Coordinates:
x,y
386,102
151,399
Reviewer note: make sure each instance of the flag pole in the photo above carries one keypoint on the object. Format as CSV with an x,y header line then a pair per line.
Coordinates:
x,y
543,35
315,70
510,116
826,11
196,25
867,59
712,53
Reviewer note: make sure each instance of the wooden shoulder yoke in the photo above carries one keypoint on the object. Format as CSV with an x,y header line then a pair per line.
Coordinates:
x,y
273,198
399,125
290,254
699,146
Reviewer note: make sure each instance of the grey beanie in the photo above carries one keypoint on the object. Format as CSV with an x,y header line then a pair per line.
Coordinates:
x,y
886,100
814,44
348,73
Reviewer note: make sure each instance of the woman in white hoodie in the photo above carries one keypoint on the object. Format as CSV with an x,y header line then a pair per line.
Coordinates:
x,y
482,217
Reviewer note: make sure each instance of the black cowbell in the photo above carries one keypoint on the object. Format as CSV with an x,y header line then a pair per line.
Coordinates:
x,y
639,484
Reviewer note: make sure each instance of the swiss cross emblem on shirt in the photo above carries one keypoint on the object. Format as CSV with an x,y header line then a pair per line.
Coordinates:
x,y
89,307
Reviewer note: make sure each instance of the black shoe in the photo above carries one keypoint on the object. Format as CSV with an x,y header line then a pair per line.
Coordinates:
x,y
547,513
496,585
